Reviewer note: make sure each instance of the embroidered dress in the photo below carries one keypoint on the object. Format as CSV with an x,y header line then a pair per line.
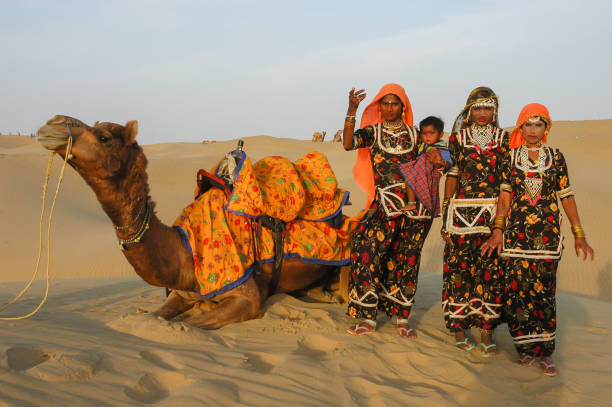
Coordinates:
x,y
387,244
472,291
532,245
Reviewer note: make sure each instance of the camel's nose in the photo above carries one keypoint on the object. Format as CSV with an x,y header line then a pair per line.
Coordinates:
x,y
52,137
54,134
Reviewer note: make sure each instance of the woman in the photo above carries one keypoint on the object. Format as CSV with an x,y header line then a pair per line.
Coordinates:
x,y
472,290
534,178
386,246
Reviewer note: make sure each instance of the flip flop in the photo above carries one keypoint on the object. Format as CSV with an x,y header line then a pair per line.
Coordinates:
x,y
550,369
359,330
466,342
406,332
485,349
526,360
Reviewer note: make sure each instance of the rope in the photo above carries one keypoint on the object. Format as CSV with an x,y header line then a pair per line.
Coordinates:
x,y
40,243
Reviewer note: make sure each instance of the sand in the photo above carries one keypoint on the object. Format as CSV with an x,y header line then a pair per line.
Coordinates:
x,y
95,342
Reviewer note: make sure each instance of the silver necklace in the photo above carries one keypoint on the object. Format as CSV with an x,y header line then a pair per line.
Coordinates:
x,y
482,135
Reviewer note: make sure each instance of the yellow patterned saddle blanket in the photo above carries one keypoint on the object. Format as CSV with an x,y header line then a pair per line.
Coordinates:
x,y
218,226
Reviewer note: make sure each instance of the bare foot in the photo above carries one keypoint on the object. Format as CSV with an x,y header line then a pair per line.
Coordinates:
x,y
487,347
404,330
548,367
362,328
463,342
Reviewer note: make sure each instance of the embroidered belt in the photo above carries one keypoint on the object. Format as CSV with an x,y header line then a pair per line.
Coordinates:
x,y
459,225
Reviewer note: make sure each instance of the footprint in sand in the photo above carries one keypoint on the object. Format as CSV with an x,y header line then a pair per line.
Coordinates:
x,y
263,362
23,358
54,366
154,387
161,359
320,346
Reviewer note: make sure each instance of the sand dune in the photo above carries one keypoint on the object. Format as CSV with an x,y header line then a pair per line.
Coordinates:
x,y
95,342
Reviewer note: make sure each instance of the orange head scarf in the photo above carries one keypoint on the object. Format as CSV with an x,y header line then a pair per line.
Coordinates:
x,y
363,171
530,111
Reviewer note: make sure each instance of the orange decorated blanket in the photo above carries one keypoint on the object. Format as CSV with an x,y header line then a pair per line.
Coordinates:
x,y
217,226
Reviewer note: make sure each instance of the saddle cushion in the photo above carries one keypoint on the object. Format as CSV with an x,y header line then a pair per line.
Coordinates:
x,y
221,241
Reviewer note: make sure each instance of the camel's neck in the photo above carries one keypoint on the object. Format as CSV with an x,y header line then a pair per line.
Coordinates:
x,y
124,197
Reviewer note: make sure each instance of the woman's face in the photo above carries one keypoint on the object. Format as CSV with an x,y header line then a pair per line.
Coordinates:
x,y
533,131
482,115
391,108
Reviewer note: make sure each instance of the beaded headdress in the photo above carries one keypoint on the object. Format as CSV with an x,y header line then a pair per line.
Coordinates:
x,y
479,97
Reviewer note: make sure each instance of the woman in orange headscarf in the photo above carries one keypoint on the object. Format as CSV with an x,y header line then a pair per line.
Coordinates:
x,y
527,234
386,246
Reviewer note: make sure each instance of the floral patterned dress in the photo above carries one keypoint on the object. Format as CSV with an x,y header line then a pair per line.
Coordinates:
x,y
532,246
472,290
386,247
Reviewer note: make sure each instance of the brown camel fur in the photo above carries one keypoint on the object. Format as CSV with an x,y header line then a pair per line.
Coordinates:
x,y
110,161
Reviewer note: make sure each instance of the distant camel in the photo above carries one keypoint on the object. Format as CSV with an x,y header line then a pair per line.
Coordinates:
x,y
319,137
110,161
338,137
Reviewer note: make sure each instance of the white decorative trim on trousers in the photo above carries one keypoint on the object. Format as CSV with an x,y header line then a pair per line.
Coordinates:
x,y
459,313
520,340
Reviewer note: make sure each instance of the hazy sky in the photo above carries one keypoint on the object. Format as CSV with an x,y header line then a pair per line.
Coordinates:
x,y
194,70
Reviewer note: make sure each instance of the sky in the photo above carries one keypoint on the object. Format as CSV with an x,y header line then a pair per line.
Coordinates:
x,y
215,70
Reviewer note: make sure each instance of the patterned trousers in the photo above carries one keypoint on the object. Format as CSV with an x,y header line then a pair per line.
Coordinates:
x,y
385,259
529,287
472,285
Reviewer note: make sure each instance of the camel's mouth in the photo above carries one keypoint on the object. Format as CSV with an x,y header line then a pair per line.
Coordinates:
x,y
54,134
52,137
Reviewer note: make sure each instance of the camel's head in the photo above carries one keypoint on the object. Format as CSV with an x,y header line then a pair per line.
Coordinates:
x,y
98,152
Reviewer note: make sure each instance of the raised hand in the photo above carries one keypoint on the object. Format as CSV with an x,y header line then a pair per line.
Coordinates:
x,y
355,97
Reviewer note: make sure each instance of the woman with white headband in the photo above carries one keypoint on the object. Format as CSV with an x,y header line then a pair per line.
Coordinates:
x,y
527,234
472,288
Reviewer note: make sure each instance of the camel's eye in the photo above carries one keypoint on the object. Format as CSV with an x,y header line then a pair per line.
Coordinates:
x,y
103,139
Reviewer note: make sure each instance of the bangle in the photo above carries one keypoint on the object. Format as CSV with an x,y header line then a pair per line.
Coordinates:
x,y
578,231
499,223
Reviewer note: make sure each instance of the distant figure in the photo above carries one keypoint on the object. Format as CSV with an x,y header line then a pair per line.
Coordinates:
x,y
319,137
209,141
338,137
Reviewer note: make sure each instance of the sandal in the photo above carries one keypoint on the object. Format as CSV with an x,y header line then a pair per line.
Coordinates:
x,y
549,369
363,328
526,360
484,352
469,345
406,331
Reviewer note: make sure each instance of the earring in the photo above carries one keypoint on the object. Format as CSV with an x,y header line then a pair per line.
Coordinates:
x,y
493,120
379,116
403,116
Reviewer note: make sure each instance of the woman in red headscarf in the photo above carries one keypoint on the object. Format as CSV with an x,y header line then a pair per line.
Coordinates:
x,y
386,246
527,234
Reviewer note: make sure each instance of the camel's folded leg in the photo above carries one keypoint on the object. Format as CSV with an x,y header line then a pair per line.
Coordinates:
x,y
239,304
180,301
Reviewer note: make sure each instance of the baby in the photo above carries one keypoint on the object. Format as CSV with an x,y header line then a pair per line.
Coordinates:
x,y
423,178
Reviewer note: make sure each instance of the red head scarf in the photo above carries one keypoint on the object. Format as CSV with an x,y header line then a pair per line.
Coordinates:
x,y
363,171
530,111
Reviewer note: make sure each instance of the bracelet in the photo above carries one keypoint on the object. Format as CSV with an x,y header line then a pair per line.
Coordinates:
x,y
499,223
578,231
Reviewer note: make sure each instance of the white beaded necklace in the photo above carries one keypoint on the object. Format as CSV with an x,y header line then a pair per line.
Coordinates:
x,y
482,135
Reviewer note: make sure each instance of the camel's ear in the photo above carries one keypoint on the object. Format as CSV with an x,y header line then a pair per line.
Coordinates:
x,y
131,130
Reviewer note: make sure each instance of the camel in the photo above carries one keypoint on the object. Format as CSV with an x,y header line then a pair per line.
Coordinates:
x,y
319,136
338,137
112,163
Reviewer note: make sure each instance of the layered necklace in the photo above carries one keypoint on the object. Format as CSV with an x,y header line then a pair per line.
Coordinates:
x,y
393,132
482,136
533,171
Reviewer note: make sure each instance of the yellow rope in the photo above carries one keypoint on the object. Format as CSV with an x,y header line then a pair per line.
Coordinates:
x,y
40,243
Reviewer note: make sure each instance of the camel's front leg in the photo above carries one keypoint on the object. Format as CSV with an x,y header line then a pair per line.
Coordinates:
x,y
181,301
237,305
